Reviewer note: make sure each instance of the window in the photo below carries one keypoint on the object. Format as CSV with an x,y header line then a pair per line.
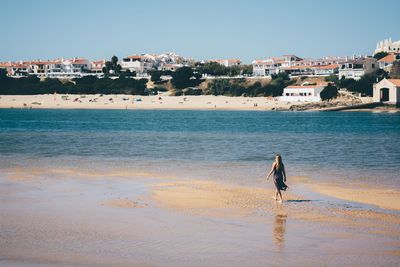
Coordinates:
x,y
287,94
373,66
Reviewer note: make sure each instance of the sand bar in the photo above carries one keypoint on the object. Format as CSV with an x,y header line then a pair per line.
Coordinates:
x,y
78,217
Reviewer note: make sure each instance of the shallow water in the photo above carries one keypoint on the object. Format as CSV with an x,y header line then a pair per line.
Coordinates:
x,y
224,145
54,210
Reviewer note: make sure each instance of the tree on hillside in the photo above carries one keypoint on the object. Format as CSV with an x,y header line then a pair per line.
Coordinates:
x,y
218,87
281,76
365,84
3,74
246,69
332,78
212,68
32,85
112,67
114,62
380,55
127,74
216,69
329,92
185,77
156,75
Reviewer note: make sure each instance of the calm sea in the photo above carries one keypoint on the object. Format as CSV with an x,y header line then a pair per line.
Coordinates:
x,y
235,146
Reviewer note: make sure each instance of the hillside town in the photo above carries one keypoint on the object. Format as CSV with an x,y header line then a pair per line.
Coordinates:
x,y
143,66
350,66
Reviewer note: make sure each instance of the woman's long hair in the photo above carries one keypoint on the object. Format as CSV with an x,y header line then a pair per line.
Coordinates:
x,y
278,162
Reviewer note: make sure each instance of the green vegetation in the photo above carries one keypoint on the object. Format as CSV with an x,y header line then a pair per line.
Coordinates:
x,y
329,92
363,85
332,79
216,69
188,91
112,67
87,85
185,77
236,88
380,55
156,75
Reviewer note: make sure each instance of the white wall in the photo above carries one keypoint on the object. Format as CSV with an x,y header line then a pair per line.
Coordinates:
x,y
133,66
303,94
394,92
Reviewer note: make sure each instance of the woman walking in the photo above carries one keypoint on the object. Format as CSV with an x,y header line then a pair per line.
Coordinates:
x,y
278,169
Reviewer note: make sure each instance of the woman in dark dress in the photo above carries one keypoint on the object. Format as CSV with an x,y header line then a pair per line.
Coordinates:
x,y
278,169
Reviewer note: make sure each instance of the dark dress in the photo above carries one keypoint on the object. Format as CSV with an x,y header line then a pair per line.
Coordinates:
x,y
278,179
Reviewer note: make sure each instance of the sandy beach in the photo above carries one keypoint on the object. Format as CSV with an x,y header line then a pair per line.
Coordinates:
x,y
141,102
163,101
79,217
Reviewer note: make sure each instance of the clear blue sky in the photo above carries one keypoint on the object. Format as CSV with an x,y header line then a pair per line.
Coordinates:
x,y
198,29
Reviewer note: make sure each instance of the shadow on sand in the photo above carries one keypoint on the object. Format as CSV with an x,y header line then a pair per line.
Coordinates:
x,y
299,200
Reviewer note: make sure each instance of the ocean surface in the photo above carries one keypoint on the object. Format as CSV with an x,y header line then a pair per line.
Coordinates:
x,y
236,146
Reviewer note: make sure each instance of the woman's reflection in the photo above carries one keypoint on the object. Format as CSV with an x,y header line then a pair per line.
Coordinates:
x,y
279,230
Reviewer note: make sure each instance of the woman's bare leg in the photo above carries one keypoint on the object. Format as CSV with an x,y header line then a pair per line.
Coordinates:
x,y
276,195
280,195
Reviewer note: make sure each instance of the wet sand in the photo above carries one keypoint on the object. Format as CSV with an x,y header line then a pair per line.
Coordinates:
x,y
385,198
65,217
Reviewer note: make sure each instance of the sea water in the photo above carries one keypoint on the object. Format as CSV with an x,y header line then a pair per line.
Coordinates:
x,y
234,146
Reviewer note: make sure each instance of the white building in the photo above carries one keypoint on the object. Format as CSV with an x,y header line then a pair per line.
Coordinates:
x,y
356,68
227,62
265,67
387,91
312,70
326,70
144,63
141,64
388,46
303,93
273,65
70,68
295,65
172,58
16,69
386,62
97,66
170,67
40,68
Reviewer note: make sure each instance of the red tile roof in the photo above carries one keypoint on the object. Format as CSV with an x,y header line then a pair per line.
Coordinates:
x,y
327,67
223,60
103,61
395,82
135,57
307,86
388,59
5,64
47,62
79,60
324,67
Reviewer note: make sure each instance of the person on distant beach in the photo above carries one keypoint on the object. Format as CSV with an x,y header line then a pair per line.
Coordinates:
x,y
278,169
